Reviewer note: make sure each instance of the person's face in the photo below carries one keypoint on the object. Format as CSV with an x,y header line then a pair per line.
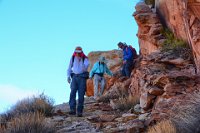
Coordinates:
x,y
78,54
121,46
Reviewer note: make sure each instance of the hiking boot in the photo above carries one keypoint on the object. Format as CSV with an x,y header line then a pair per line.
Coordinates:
x,y
72,113
79,115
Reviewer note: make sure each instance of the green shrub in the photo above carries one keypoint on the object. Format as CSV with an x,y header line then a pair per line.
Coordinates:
x,y
150,2
30,123
171,41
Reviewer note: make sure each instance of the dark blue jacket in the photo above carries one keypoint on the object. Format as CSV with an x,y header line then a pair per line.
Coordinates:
x,y
127,54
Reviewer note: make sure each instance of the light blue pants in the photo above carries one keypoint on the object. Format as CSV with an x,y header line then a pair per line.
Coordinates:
x,y
98,79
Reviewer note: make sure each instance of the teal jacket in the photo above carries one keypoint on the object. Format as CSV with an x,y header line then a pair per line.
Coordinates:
x,y
100,68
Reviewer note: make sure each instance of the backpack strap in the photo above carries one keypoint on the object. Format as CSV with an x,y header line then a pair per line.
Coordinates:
x,y
73,60
99,67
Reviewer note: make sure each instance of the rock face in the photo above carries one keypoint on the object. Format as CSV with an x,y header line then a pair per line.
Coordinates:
x,y
150,27
164,79
183,18
167,78
172,15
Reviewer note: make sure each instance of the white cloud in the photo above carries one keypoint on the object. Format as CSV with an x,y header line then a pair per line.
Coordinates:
x,y
11,94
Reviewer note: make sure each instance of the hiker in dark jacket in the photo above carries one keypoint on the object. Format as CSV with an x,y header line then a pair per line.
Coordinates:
x,y
76,73
98,71
127,59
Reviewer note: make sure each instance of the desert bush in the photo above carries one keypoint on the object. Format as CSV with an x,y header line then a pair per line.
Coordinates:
x,y
150,2
41,103
113,93
186,116
30,123
127,102
171,41
165,126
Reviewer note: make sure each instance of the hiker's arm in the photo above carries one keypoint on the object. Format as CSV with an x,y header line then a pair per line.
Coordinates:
x,y
108,71
86,64
128,55
69,70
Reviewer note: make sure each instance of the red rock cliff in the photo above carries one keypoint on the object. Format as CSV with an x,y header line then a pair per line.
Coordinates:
x,y
183,18
164,79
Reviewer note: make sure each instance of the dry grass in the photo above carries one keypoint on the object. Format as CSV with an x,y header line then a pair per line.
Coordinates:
x,y
119,98
165,126
126,102
113,93
27,112
186,117
41,103
29,123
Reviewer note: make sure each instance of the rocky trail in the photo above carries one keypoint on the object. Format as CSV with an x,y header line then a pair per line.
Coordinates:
x,y
163,77
98,117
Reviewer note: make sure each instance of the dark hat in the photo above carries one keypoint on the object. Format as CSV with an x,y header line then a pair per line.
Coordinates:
x,y
120,44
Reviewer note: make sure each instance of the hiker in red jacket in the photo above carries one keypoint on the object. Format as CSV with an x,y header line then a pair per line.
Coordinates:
x,y
127,59
77,76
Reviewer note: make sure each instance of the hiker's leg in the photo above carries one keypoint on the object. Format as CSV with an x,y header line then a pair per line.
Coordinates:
x,y
123,73
128,68
103,82
96,85
81,93
72,99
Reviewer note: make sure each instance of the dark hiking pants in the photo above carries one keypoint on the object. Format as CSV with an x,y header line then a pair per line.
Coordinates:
x,y
127,68
78,84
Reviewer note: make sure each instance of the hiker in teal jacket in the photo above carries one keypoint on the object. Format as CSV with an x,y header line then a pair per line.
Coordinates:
x,y
97,72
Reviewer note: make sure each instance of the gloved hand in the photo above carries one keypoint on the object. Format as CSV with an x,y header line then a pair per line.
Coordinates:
x,y
69,80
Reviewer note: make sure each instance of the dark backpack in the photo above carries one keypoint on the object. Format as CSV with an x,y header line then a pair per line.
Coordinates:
x,y
133,51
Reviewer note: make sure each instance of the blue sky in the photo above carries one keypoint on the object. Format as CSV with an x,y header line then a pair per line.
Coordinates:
x,y
38,37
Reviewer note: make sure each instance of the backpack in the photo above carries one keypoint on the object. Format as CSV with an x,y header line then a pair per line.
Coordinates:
x,y
73,60
85,74
133,51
